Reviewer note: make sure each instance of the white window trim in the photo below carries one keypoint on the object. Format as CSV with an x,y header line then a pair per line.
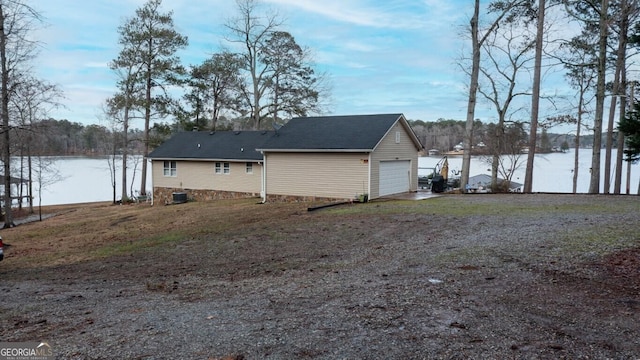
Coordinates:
x,y
171,170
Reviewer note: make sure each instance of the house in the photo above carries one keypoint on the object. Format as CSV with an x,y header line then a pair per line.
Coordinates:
x,y
341,157
208,165
329,157
482,183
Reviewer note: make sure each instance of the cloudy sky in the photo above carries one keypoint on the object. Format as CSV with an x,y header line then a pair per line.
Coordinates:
x,y
382,56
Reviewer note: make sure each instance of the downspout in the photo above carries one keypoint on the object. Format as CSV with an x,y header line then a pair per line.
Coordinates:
x,y
153,198
263,191
369,176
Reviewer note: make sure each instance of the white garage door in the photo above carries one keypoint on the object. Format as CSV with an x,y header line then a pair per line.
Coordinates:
x,y
394,177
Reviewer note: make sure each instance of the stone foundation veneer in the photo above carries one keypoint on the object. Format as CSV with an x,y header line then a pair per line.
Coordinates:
x,y
165,195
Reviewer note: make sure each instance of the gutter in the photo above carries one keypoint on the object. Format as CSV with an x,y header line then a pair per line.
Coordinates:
x,y
316,150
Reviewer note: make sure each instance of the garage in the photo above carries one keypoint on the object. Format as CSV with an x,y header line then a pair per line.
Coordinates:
x,y
395,177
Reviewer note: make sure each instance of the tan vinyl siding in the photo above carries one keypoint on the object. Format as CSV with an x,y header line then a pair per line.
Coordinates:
x,y
201,175
329,175
388,150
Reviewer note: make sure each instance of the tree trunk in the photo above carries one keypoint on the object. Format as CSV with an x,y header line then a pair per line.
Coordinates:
x,y
609,139
594,184
6,150
577,152
620,149
256,100
577,144
497,152
30,184
617,187
619,88
147,120
535,100
125,150
471,107
621,64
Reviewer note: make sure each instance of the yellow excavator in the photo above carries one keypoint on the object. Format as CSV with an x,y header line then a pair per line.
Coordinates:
x,y
437,178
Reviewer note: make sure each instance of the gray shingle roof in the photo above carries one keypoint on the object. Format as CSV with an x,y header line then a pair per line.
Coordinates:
x,y
323,133
352,132
220,145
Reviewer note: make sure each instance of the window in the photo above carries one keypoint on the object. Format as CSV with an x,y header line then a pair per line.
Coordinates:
x,y
170,168
222,168
249,168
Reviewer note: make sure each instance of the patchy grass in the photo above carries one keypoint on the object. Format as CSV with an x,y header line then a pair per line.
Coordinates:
x,y
87,232
598,240
135,246
470,205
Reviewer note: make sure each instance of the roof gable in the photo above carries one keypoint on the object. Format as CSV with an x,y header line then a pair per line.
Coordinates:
x,y
352,132
219,145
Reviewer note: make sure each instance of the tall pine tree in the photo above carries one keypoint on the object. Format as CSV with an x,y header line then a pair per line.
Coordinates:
x,y
150,43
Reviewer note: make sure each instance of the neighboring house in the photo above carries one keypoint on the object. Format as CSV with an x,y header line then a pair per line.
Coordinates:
x,y
208,165
341,157
482,183
330,157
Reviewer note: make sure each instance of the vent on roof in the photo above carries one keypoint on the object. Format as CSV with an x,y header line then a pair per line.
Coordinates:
x,y
276,127
212,132
237,132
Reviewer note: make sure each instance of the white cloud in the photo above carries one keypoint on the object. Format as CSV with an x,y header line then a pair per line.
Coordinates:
x,y
355,12
99,65
380,55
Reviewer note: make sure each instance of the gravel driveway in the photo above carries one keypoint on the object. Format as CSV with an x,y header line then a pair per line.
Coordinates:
x,y
517,276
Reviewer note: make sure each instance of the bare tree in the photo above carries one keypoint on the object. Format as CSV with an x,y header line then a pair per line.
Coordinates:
x,y
594,16
31,102
510,159
508,53
45,173
580,59
17,20
120,110
502,8
535,98
626,12
109,142
252,30
594,183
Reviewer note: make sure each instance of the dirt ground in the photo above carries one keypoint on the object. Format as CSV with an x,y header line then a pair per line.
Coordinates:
x,y
541,276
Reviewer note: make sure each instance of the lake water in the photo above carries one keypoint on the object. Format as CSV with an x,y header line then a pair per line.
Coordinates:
x,y
88,179
552,172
